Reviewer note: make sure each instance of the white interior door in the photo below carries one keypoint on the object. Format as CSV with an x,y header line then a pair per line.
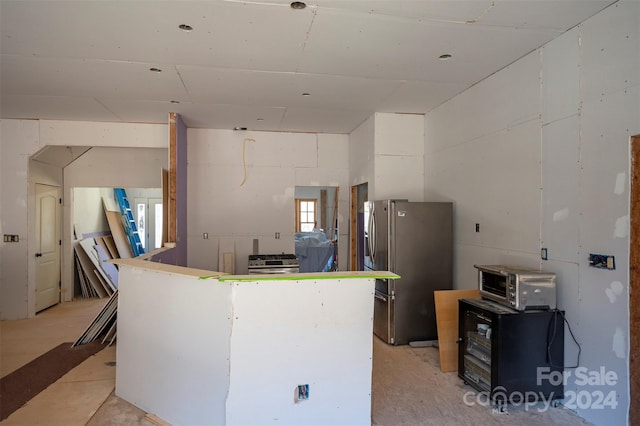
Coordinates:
x,y
48,211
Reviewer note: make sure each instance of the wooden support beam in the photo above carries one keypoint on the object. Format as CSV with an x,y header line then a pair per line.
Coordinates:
x,y
353,229
172,210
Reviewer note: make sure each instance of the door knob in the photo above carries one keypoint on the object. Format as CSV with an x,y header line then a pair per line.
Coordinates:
x,y
38,254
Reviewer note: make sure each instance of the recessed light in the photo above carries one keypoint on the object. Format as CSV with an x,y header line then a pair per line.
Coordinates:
x,y
445,57
239,128
175,102
259,119
185,27
298,5
155,69
306,94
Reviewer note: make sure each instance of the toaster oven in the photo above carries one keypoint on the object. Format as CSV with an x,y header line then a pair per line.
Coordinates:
x,y
517,287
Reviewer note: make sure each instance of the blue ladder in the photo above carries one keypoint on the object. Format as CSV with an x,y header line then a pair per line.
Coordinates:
x,y
129,222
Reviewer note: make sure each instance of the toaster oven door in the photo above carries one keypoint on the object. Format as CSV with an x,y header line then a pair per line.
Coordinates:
x,y
493,285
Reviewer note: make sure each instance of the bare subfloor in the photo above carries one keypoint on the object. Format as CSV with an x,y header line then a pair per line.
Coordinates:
x,y
408,386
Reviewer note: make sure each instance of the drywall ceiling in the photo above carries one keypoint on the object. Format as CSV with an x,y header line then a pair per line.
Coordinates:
x,y
248,64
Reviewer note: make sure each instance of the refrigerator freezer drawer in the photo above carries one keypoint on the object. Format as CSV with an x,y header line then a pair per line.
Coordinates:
x,y
383,307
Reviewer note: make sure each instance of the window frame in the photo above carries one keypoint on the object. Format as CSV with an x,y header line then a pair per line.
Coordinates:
x,y
298,212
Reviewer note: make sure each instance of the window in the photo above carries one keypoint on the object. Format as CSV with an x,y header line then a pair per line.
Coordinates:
x,y
149,222
306,214
141,222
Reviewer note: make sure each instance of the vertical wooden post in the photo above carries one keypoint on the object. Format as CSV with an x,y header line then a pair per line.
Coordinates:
x,y
334,216
353,229
323,206
172,210
634,285
165,206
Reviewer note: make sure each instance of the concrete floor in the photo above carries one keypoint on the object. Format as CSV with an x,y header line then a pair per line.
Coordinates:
x,y
408,386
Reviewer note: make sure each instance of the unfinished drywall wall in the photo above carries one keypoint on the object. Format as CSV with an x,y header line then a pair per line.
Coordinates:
x,y
173,355
361,154
88,210
537,155
204,351
399,156
387,152
483,153
18,140
241,188
310,337
23,138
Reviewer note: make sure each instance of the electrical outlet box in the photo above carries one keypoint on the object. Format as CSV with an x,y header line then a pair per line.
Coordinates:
x,y
544,253
602,261
10,238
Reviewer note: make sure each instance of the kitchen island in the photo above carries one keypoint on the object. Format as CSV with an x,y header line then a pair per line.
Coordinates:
x,y
201,347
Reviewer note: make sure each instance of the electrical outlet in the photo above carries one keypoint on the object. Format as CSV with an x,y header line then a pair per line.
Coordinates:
x,y
602,261
10,238
477,227
205,235
544,253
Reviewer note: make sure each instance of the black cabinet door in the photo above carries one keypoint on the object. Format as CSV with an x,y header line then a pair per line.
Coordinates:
x,y
514,354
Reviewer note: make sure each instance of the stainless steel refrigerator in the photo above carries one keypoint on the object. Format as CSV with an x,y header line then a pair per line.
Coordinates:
x,y
415,241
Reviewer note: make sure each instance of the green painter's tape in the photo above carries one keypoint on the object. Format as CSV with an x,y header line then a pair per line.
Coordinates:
x,y
207,277
300,277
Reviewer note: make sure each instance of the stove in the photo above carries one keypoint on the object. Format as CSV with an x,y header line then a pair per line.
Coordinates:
x,y
273,264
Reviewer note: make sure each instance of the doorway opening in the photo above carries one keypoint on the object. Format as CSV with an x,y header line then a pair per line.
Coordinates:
x,y
316,228
89,217
94,213
359,196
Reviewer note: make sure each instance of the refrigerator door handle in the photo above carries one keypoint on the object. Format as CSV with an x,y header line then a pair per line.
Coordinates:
x,y
372,235
380,296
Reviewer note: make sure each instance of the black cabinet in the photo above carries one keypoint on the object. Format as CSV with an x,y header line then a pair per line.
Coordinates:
x,y
513,356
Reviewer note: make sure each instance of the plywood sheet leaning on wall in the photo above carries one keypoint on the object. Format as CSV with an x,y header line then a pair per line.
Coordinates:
x,y
111,246
88,269
86,287
106,272
104,322
119,236
447,322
